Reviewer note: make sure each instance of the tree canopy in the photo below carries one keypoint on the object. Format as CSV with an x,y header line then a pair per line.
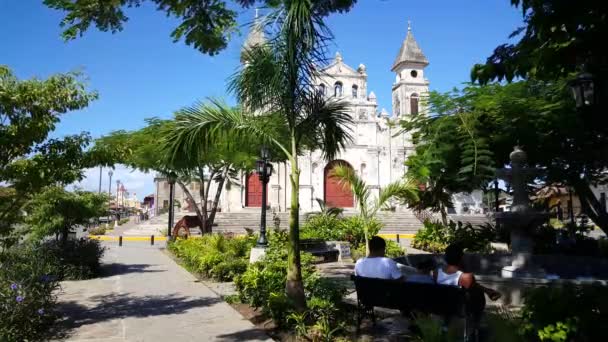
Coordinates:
x,y
207,25
56,211
472,132
29,161
557,39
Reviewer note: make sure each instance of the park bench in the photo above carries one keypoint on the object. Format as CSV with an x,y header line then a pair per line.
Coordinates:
x,y
319,248
445,301
326,250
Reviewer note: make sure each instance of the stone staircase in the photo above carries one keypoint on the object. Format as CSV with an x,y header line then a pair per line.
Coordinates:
x,y
402,222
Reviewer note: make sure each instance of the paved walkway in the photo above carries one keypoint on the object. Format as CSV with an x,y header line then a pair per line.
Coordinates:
x,y
145,296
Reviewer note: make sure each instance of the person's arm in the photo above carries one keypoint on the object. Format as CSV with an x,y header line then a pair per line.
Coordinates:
x,y
467,280
394,271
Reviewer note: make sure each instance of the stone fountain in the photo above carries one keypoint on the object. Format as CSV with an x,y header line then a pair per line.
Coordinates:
x,y
522,218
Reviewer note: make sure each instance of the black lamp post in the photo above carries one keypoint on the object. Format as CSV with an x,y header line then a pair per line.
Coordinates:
x,y
264,169
171,178
583,90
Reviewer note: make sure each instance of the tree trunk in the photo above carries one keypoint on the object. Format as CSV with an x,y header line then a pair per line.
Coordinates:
x,y
294,287
199,214
590,205
64,235
444,215
203,196
216,200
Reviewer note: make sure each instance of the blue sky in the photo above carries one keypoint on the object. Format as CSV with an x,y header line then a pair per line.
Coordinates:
x,y
141,73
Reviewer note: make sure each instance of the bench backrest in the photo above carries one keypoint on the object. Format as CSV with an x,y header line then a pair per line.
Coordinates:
x,y
430,298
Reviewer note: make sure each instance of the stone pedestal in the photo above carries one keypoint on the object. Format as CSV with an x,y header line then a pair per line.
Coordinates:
x,y
256,254
522,265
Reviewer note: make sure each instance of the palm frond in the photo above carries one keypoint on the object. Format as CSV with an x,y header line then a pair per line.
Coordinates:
x,y
199,127
259,85
325,125
349,179
404,191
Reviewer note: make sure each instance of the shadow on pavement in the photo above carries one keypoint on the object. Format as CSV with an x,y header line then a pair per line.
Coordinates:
x,y
108,270
245,335
109,307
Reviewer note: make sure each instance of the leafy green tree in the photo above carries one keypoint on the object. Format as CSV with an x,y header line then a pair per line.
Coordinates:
x,y
452,152
55,211
367,204
205,24
277,84
155,148
556,39
539,116
29,161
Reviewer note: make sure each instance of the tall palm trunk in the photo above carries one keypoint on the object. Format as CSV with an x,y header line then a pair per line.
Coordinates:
x,y
294,287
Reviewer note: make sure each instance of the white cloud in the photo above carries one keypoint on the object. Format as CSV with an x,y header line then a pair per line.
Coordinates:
x,y
135,181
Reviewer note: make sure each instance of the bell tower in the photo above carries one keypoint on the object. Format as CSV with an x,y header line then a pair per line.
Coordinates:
x,y
410,84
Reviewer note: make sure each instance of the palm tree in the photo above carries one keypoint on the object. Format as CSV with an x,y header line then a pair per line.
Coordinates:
x,y
368,207
276,83
325,210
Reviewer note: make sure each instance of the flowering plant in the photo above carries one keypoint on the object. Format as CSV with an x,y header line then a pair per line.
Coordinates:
x,y
27,286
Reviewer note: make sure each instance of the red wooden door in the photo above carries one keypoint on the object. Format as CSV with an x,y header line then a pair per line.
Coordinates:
x,y
336,194
253,196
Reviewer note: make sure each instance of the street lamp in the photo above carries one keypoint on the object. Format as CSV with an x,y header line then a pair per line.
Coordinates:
x,y
110,174
264,170
583,90
171,178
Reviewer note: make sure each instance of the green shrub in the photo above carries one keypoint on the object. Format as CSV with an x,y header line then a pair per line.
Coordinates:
x,y
350,229
566,313
322,227
215,256
434,237
97,231
393,250
28,279
263,284
353,230
79,259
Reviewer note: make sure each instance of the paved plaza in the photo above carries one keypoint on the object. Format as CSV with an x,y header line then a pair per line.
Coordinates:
x,y
146,296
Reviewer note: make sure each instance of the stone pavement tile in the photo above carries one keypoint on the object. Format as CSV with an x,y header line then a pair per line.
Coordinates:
x,y
145,296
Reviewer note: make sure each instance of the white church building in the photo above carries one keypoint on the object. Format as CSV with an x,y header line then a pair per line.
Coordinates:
x,y
377,153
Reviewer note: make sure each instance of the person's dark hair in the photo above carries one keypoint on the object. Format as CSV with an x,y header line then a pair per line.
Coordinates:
x,y
377,244
426,265
454,254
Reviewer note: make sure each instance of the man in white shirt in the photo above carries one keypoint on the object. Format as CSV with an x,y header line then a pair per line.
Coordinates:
x,y
376,265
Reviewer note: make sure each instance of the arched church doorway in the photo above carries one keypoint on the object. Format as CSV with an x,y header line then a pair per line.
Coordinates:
x,y
253,190
335,194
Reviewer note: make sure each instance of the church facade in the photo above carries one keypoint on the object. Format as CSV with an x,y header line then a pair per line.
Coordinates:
x,y
377,153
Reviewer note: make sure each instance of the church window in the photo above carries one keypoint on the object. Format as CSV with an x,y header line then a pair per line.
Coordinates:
x,y
414,73
414,104
321,89
355,91
338,89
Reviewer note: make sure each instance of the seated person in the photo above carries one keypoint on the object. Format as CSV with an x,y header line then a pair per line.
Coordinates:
x,y
452,275
423,276
376,265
